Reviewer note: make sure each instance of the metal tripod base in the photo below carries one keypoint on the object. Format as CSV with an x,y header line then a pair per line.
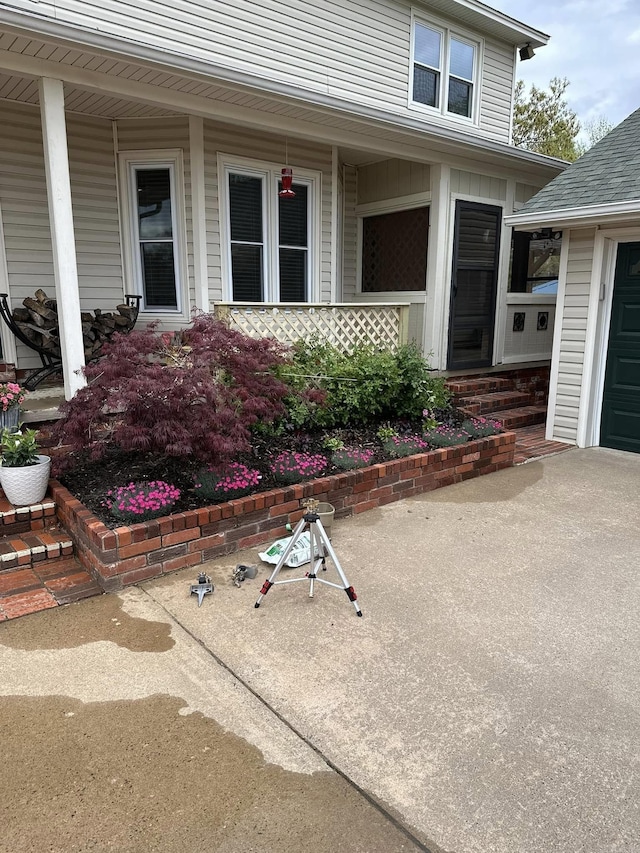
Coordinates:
x,y
321,548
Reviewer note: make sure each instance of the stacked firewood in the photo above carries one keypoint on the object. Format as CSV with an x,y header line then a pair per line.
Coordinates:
x,y
38,321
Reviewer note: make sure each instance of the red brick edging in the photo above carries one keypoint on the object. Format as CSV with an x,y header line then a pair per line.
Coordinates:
x,y
137,552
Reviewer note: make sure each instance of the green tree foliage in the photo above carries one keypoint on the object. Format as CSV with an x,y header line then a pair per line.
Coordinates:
x,y
543,121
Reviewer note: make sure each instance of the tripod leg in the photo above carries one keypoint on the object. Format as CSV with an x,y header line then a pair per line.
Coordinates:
x,y
266,586
351,593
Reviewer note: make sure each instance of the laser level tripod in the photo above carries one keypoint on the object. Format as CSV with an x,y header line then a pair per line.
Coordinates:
x,y
320,546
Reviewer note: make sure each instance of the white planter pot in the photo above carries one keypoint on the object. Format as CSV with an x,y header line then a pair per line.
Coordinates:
x,y
28,485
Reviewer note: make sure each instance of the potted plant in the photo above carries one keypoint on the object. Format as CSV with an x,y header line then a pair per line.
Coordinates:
x,y
11,398
24,473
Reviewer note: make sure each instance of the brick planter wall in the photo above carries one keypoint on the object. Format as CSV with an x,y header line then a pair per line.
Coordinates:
x,y
137,552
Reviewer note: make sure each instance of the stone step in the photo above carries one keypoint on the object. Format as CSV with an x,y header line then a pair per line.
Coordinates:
x,y
519,417
470,386
480,404
25,590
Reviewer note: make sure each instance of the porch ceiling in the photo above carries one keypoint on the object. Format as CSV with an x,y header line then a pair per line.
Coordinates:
x,y
104,84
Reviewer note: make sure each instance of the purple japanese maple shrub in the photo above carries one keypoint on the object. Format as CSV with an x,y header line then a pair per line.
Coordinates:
x,y
193,393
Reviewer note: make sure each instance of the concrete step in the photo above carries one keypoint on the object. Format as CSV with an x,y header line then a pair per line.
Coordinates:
x,y
519,417
480,404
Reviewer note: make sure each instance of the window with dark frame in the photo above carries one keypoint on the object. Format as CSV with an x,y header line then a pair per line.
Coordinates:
x,y
394,251
535,261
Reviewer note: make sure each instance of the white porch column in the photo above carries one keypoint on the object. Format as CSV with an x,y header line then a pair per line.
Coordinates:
x,y
438,268
56,159
199,213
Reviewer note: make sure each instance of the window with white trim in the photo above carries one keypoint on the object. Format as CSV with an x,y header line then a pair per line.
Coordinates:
x,y
155,243
272,242
444,70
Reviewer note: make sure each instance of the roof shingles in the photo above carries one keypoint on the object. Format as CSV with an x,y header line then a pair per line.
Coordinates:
x,y
608,173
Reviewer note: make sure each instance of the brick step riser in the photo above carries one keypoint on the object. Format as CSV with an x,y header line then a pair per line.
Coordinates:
x,y
482,406
36,556
512,420
461,390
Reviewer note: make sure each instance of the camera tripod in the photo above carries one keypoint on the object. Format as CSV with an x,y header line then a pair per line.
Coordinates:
x,y
320,548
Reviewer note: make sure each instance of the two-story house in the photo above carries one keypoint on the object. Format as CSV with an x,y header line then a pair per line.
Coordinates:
x,y
143,147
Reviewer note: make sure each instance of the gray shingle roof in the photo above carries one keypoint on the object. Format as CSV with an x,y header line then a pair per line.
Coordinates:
x,y
608,173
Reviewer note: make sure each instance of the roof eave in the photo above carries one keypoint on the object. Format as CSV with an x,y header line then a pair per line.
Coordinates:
x,y
570,217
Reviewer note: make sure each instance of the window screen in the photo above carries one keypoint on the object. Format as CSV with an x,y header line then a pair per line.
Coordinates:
x,y
394,251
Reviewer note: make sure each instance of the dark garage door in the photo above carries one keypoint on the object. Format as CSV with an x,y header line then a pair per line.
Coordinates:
x,y
620,425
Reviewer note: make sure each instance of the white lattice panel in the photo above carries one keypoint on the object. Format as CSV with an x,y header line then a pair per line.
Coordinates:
x,y
344,326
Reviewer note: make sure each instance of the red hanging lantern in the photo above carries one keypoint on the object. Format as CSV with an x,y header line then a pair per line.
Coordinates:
x,y
287,180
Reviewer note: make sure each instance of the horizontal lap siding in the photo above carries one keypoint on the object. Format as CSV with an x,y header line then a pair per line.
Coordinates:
x,y
391,179
358,52
350,232
573,335
25,212
497,88
270,149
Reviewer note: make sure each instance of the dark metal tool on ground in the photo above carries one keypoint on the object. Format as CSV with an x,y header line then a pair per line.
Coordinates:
x,y
320,549
241,573
202,587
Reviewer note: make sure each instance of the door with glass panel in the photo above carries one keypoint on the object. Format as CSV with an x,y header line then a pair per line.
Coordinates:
x,y
474,284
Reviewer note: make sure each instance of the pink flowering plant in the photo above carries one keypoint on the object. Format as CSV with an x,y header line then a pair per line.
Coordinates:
x,y
291,467
141,501
11,396
349,458
222,484
446,436
398,446
481,427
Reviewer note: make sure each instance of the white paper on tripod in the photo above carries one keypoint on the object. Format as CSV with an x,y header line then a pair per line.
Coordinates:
x,y
300,553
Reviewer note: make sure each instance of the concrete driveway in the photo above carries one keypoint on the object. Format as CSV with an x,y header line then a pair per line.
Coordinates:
x,y
487,700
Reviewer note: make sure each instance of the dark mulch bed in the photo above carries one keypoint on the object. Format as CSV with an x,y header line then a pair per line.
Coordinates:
x,y
90,480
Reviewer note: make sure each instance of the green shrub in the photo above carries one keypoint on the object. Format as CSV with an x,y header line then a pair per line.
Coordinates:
x,y
360,387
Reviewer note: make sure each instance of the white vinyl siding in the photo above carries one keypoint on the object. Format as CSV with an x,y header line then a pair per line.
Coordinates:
x,y
392,179
478,186
573,334
26,217
350,231
357,52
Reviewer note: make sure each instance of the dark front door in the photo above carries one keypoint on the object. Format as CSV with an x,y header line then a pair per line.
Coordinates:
x,y
473,285
620,424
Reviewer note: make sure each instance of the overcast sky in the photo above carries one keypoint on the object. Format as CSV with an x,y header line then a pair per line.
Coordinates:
x,y
595,44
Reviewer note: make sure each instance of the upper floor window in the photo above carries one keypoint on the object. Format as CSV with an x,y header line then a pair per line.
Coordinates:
x,y
444,70
272,242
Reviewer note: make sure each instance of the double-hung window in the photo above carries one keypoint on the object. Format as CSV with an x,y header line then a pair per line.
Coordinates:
x,y
154,234
271,242
445,69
